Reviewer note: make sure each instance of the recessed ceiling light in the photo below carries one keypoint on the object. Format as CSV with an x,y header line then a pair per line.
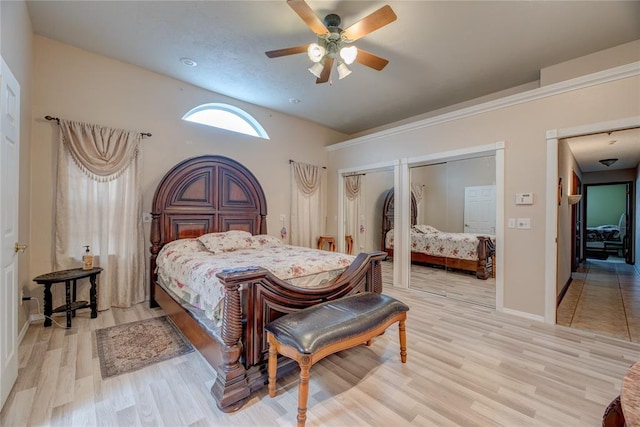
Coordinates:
x,y
188,62
294,101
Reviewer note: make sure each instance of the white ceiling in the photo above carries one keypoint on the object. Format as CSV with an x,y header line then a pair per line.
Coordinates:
x,y
440,52
623,145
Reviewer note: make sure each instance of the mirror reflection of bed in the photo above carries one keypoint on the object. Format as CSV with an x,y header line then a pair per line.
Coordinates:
x,y
363,212
455,214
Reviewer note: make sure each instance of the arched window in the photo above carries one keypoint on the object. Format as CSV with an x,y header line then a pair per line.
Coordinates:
x,y
225,116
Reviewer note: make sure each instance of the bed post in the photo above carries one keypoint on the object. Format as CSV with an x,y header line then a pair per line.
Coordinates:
x,y
375,276
485,251
231,387
154,249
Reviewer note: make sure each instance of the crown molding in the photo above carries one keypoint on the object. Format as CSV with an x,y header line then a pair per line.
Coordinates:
x,y
600,77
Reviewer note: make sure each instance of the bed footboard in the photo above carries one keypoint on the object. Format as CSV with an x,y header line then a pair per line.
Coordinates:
x,y
486,258
255,297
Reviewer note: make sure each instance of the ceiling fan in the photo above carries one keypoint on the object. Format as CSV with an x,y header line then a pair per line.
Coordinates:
x,y
333,41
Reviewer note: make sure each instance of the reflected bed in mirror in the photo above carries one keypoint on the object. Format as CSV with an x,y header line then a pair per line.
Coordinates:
x,y
456,251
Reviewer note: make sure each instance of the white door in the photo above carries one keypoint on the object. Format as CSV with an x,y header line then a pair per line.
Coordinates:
x,y
9,160
480,209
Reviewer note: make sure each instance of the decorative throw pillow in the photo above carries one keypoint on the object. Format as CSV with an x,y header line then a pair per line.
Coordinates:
x,y
421,228
264,241
227,241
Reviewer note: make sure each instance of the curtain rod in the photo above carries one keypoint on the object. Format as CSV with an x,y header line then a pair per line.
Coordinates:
x,y
50,118
293,161
355,174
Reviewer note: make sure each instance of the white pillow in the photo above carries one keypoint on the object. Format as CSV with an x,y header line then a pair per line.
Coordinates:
x,y
421,228
264,241
226,241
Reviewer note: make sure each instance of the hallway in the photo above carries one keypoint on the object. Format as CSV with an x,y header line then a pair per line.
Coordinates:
x,y
604,297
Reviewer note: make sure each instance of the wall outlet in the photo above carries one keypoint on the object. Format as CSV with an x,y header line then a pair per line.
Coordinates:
x,y
146,217
283,217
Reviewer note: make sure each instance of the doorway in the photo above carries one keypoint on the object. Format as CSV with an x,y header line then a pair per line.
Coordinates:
x,y
596,291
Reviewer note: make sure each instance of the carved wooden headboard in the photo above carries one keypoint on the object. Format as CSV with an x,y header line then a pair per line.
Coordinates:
x,y
205,194
388,215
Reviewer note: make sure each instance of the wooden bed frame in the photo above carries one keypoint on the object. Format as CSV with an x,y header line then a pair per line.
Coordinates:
x,y
483,268
212,194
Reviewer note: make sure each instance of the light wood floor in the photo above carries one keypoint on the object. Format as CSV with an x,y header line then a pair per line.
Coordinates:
x,y
467,366
603,298
452,284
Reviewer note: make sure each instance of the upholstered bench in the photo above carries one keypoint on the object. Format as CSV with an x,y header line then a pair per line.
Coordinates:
x,y
313,333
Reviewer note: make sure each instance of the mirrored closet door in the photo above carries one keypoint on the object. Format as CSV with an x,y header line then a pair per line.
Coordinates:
x,y
453,233
364,198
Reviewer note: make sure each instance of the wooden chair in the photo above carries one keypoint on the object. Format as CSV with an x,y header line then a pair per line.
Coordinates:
x,y
349,244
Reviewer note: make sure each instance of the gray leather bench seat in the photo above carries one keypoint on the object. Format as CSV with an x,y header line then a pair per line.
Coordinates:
x,y
313,333
314,328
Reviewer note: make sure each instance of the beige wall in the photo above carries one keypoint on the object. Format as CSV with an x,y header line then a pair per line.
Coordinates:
x,y
77,85
598,61
16,49
566,166
523,128
442,204
618,175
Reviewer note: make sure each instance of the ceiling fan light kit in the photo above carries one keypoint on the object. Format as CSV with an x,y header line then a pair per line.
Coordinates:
x,y
333,40
343,70
349,54
316,69
316,52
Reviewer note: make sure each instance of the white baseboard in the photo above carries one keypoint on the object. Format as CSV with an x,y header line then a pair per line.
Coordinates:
x,y
526,315
23,331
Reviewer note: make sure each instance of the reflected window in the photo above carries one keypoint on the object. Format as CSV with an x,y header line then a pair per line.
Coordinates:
x,y
228,117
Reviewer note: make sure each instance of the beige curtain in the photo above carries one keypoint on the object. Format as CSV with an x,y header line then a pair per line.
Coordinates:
x,y
354,214
99,203
307,204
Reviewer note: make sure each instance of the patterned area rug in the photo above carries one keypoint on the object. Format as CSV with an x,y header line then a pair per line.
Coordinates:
x,y
132,346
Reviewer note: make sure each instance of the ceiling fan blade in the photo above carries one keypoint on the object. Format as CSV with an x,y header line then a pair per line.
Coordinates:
x,y
308,16
370,23
287,51
371,60
326,71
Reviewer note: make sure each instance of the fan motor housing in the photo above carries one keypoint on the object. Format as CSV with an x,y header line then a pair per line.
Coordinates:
x,y
332,20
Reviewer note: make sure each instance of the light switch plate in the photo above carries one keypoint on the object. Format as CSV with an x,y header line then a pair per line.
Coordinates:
x,y
511,223
523,223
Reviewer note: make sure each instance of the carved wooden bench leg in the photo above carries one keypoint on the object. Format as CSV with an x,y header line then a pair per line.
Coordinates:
x,y
309,335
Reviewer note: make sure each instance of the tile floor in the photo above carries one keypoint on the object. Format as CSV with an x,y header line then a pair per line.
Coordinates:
x,y
604,297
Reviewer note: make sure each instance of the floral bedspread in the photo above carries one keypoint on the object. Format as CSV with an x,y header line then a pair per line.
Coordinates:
x,y
189,270
431,241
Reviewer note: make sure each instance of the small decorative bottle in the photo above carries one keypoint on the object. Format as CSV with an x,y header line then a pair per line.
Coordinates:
x,y
87,259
